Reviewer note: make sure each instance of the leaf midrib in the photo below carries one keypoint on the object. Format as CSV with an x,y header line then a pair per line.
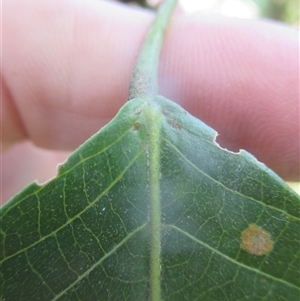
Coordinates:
x,y
153,118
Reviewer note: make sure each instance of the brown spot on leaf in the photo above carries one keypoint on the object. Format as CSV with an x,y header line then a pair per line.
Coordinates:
x,y
174,124
256,241
136,125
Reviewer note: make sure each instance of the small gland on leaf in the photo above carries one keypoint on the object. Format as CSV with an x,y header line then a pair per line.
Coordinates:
x,y
166,111
137,111
174,124
256,241
136,125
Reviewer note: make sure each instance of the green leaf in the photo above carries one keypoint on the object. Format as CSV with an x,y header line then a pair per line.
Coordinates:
x,y
152,208
151,200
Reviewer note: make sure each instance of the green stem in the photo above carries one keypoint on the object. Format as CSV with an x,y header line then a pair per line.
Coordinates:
x,y
143,85
143,82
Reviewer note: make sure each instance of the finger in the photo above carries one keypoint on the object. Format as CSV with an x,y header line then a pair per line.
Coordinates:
x,y
67,65
241,77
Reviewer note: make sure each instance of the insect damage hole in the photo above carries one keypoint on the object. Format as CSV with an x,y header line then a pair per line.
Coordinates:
x,y
256,241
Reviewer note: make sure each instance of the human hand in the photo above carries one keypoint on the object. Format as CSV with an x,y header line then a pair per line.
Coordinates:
x,y
67,65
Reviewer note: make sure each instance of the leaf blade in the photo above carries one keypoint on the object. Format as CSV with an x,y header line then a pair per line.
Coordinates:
x,y
101,247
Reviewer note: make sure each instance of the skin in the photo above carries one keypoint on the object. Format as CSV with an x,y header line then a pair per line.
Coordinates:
x,y
67,64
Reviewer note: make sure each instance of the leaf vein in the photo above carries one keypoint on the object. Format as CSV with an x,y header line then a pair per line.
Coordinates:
x,y
231,259
225,187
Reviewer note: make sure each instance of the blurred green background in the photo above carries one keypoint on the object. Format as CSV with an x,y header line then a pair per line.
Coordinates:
x,y
281,10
